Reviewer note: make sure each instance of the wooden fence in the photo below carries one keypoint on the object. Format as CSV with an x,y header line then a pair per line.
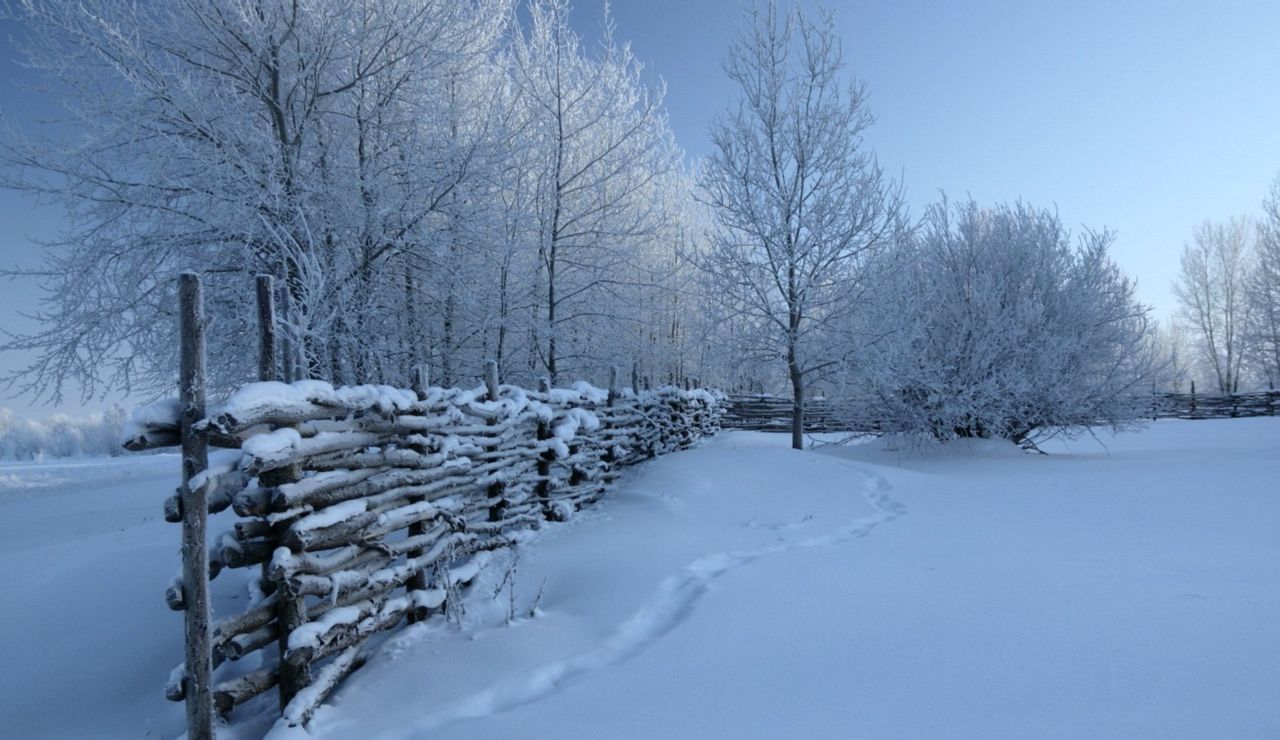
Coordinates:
x,y
368,506
773,413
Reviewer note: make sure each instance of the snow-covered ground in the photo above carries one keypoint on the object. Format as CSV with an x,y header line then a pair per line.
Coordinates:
x,y
1128,588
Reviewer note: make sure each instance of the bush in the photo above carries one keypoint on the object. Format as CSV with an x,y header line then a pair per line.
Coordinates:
x,y
60,435
992,324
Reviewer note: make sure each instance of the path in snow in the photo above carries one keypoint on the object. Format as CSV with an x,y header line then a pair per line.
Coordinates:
x,y
669,606
716,515
1122,590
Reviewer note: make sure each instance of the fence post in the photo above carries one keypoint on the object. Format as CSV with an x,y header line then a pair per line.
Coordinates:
x,y
613,384
543,488
195,511
266,329
635,379
498,505
421,376
491,379
418,581
291,609
288,371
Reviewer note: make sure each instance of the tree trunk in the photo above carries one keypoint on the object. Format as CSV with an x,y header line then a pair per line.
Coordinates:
x,y
797,400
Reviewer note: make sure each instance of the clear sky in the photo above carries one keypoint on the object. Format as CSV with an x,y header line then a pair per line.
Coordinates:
x,y
1142,116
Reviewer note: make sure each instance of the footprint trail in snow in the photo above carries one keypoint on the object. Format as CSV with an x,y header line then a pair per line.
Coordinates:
x,y
671,604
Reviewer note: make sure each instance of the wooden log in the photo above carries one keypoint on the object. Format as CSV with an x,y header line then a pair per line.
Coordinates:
x,y
322,635
342,533
229,695
322,493
288,355
266,328
304,705
153,439
245,643
373,582
246,621
384,617
242,553
195,506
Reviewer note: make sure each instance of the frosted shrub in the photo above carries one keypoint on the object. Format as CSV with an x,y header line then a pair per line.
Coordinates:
x,y
994,324
60,435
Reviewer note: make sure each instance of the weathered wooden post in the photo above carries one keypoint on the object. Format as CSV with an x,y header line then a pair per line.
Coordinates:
x,y
1192,414
635,378
491,379
613,384
497,505
421,378
418,581
291,608
288,359
266,328
543,488
195,510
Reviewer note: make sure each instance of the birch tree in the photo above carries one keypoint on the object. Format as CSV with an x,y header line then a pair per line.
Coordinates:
x,y
800,204
1211,296
1263,289
235,137
600,147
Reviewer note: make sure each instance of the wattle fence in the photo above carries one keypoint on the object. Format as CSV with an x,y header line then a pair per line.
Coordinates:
x,y
760,412
367,507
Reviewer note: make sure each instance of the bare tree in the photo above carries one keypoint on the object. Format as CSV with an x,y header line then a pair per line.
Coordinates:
x,y
235,137
600,147
1211,295
1263,290
800,204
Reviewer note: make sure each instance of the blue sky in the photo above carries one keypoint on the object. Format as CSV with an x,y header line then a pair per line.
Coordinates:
x,y
1140,116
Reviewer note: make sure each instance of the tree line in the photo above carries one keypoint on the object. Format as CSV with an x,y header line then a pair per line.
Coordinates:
x,y
1228,291
445,182
434,182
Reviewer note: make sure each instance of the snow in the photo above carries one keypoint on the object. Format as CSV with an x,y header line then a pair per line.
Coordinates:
x,y
163,413
331,515
573,420
1125,587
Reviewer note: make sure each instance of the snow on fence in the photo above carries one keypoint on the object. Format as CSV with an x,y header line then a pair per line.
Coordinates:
x,y
773,413
367,506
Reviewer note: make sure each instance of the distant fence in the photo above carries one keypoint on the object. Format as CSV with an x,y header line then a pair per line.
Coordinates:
x,y
773,413
367,506
1199,406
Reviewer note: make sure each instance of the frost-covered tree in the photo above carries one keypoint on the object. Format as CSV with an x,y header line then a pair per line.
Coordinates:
x,y
599,151
993,324
1211,295
1263,291
432,184
800,204
293,137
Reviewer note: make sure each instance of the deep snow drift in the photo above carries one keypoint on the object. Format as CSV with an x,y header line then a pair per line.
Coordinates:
x,y
742,590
